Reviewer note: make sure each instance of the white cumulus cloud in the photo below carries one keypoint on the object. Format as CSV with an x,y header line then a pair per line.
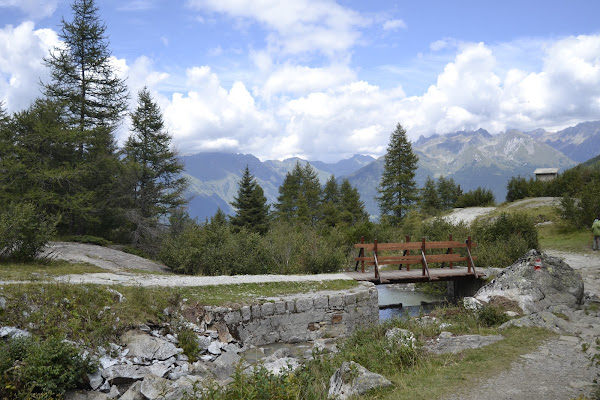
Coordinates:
x,y
297,26
22,49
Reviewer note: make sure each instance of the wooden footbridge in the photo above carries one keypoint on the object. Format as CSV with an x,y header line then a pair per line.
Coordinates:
x,y
436,265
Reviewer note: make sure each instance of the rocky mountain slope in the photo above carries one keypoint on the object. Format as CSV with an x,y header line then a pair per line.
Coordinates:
x,y
472,159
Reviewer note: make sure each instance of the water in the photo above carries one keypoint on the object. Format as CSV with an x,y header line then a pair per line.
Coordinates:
x,y
412,302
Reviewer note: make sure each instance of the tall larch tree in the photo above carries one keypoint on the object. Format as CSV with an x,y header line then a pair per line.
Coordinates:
x,y
157,187
397,188
252,210
94,101
352,208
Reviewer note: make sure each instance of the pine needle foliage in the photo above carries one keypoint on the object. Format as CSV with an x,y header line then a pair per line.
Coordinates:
x,y
397,188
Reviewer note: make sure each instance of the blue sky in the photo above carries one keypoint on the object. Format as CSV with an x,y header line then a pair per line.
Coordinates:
x,y
323,79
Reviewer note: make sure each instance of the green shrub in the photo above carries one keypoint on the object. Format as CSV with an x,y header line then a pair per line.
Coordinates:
x,y
47,367
188,341
504,239
490,315
476,198
24,231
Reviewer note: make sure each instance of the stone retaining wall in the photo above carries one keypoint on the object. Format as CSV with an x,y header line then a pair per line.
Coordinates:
x,y
298,318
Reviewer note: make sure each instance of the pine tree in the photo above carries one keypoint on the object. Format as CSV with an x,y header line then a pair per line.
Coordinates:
x,y
252,210
157,187
93,100
351,206
330,202
430,201
83,78
397,187
448,192
299,196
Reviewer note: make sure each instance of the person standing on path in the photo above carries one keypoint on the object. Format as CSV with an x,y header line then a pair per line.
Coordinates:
x,y
596,233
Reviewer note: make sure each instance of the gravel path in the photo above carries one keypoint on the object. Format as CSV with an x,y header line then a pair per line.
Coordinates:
x,y
559,369
120,269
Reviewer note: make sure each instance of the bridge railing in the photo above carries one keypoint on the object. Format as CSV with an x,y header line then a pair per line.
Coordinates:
x,y
400,254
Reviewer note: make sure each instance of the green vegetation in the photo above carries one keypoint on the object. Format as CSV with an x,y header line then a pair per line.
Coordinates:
x,y
397,189
40,369
43,269
24,231
252,210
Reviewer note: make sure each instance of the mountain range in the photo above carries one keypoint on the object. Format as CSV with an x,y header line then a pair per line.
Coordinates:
x,y
471,158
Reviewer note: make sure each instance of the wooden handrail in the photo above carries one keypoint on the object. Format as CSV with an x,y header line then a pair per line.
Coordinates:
x,y
405,258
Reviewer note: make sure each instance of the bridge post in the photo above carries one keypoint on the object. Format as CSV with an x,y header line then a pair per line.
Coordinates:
x,y
423,250
469,247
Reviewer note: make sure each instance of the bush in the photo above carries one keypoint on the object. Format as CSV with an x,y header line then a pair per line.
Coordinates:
x,y
476,198
24,231
48,367
491,316
504,239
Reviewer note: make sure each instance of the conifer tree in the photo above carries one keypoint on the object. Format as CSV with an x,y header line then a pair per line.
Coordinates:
x,y
36,164
351,206
93,100
430,201
330,202
299,196
448,192
252,210
397,187
157,187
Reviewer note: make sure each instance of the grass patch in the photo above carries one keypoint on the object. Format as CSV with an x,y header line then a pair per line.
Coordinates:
x,y
43,269
436,377
559,237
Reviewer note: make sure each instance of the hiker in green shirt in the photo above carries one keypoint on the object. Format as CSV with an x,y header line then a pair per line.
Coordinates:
x,y
596,233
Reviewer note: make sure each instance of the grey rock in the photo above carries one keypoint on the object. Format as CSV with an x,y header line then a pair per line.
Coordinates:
x,y
455,344
154,387
225,364
282,364
81,395
147,347
471,303
214,348
353,379
96,379
126,373
544,319
12,332
204,342
134,392
536,290
2,303
114,392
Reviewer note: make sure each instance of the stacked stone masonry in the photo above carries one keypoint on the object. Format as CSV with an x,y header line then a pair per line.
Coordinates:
x,y
300,318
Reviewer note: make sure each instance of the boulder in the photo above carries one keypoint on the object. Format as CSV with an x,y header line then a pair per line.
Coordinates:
x,y
544,319
81,395
353,379
534,289
133,393
127,373
147,347
154,387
